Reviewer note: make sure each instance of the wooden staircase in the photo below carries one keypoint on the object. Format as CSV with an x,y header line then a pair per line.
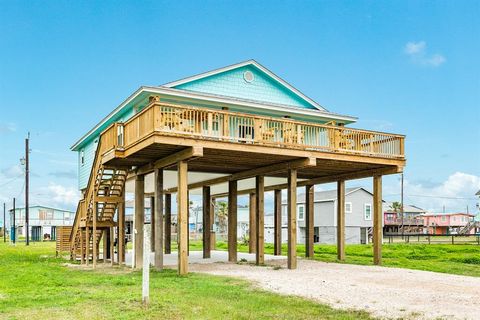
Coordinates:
x,y
95,214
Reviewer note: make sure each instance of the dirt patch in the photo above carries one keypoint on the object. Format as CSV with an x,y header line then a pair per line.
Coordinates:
x,y
384,292
104,268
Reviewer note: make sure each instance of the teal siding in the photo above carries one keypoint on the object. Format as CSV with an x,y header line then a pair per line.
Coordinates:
x,y
90,148
232,84
84,170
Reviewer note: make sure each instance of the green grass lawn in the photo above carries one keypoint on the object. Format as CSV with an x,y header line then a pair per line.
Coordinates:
x,y
446,258
36,285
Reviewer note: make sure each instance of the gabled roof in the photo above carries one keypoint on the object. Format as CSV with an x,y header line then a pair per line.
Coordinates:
x,y
328,195
448,214
250,62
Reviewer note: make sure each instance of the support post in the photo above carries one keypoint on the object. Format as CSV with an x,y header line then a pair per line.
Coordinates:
x,y
94,234
309,220
157,227
260,219
292,218
252,221
277,223
377,220
152,222
341,220
232,221
168,223
112,247
82,246
121,233
182,214
146,266
138,223
87,244
105,245
206,222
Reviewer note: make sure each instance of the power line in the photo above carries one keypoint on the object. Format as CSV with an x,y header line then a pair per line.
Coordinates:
x,y
431,196
4,184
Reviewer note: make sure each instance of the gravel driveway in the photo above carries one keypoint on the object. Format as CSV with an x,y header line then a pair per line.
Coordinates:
x,y
384,292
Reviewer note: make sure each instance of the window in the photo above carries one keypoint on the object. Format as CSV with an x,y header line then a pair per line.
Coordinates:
x,y
82,157
368,211
301,212
348,207
444,218
120,135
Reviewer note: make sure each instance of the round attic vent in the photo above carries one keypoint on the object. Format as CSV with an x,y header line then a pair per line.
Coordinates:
x,y
248,76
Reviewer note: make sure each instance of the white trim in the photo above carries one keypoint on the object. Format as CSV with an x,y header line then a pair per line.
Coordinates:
x,y
242,64
298,212
219,99
351,207
365,211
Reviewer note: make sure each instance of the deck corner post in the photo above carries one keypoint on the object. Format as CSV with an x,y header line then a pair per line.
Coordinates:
x,y
168,223
94,234
157,222
206,221
232,221
341,220
252,223
138,222
292,218
377,220
277,222
260,220
121,232
182,217
309,220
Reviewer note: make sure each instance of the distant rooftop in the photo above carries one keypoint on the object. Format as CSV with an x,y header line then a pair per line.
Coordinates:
x,y
448,214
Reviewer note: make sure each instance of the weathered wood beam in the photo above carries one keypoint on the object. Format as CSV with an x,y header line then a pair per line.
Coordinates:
x,y
252,224
206,215
278,167
110,199
168,223
157,222
277,223
377,220
292,219
182,217
121,233
94,234
309,220
260,220
232,221
341,220
326,179
138,222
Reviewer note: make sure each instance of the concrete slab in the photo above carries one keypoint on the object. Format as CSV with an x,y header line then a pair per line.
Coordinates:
x,y
196,257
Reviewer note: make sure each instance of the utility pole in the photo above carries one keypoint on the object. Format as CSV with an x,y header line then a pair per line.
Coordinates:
x,y
4,224
27,151
401,209
14,226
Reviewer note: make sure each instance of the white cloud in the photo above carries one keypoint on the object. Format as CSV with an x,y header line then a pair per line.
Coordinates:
x,y
415,47
12,172
56,195
455,193
417,51
7,127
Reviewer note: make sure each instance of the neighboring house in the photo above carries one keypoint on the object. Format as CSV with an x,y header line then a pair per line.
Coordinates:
x,y
358,216
412,219
43,221
447,223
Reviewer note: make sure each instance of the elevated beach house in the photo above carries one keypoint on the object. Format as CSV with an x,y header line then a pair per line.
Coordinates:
x,y
236,130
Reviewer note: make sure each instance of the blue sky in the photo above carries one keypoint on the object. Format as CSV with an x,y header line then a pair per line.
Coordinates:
x,y
408,67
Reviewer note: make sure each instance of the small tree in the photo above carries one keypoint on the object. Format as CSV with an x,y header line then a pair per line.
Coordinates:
x,y
222,214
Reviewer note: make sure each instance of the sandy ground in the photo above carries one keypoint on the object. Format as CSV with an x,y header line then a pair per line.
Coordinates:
x,y
384,292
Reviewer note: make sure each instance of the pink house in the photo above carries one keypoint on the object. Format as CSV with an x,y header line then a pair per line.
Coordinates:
x,y
447,223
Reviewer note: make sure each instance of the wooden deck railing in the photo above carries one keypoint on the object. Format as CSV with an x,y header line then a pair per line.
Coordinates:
x,y
235,127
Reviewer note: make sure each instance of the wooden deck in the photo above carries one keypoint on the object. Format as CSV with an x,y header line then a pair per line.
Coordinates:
x,y
234,142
